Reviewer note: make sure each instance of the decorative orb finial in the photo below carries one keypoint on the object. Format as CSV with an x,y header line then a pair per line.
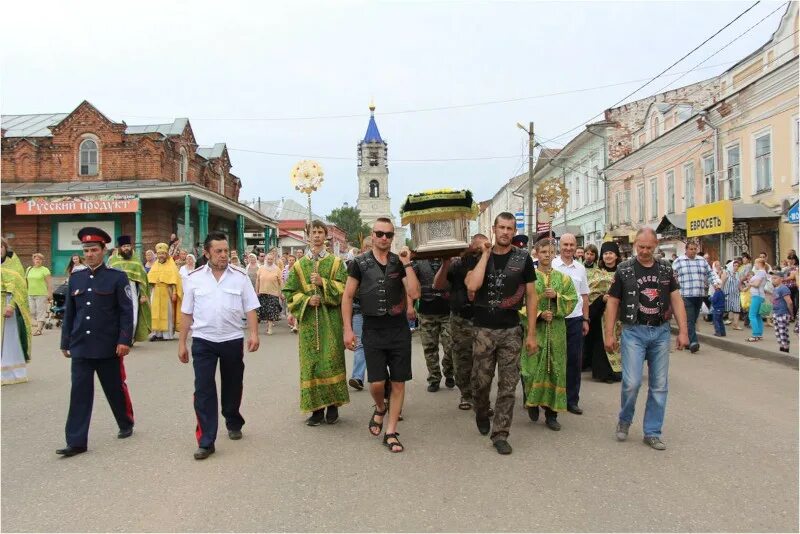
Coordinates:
x,y
372,105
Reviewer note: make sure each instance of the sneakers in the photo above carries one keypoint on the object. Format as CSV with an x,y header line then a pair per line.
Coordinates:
x,y
654,442
622,430
502,446
356,383
433,387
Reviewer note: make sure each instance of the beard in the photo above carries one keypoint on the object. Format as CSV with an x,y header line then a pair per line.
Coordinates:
x,y
126,254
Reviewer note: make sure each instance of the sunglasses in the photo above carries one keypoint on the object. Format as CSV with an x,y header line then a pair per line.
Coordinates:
x,y
379,233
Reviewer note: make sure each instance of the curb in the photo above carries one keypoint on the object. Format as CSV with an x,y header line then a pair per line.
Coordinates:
x,y
751,351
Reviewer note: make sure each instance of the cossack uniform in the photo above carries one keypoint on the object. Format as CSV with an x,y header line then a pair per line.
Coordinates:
x,y
98,316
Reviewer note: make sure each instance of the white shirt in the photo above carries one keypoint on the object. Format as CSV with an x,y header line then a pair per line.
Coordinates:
x,y
218,307
577,272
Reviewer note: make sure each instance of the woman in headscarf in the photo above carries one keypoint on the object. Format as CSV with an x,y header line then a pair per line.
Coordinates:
x,y
605,367
188,266
150,258
268,287
252,268
731,284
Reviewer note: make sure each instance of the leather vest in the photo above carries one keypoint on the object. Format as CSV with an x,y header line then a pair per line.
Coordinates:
x,y
629,307
379,293
427,271
504,289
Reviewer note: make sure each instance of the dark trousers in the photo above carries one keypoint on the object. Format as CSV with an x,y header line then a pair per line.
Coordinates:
x,y
574,359
693,306
231,371
111,373
719,325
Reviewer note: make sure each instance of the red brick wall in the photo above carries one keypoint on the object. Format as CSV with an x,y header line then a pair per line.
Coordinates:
x,y
31,234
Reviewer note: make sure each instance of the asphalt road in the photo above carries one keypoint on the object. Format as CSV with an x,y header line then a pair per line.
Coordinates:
x,y
731,462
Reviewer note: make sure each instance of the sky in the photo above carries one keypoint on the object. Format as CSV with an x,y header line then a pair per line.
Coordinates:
x,y
296,78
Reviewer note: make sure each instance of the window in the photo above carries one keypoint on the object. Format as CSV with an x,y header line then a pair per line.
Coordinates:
x,y
688,185
640,202
654,131
577,182
763,163
374,189
221,182
585,188
628,206
733,172
88,158
641,139
653,198
709,179
184,165
670,191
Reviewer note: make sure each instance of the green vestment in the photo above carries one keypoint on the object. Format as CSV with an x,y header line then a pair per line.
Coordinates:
x,y
136,273
600,282
323,376
14,286
545,373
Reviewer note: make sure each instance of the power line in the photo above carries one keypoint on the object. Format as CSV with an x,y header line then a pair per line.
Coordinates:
x,y
654,78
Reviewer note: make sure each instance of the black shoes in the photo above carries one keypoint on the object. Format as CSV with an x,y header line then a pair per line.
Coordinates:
x,y
552,423
316,418
450,382
202,453
235,434
332,416
122,434
71,451
533,413
502,446
483,425
573,408
356,384
433,387
694,347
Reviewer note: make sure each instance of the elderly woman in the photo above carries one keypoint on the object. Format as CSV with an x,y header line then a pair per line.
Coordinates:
x,y
731,282
605,367
252,268
269,283
40,292
149,260
189,265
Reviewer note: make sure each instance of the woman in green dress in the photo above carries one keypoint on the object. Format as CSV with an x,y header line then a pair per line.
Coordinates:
x,y
544,373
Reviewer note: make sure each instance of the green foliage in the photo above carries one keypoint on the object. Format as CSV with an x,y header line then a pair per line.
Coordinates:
x,y
349,220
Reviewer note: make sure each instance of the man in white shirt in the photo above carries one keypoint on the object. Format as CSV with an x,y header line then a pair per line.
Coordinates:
x,y
577,321
214,299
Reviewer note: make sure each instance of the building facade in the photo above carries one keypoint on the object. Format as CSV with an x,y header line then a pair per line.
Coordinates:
x,y
64,171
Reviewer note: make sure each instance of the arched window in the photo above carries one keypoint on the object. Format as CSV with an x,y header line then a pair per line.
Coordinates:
x,y
221,182
88,158
654,127
374,189
184,165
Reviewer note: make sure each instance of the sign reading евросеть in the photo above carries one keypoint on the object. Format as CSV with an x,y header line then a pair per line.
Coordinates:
x,y
710,219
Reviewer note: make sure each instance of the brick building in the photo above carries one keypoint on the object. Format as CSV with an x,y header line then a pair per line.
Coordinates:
x,y
66,170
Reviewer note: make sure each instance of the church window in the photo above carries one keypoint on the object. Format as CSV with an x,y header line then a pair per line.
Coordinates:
x,y
374,189
88,158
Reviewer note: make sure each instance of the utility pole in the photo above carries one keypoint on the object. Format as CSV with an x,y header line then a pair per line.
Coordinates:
x,y
529,209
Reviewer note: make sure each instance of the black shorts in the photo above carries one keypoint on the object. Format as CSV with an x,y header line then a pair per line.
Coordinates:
x,y
387,348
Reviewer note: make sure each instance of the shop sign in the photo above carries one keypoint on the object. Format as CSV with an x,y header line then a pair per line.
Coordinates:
x,y
710,219
793,215
543,227
78,205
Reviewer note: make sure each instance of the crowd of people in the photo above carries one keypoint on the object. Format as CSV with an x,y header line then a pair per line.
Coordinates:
x,y
539,319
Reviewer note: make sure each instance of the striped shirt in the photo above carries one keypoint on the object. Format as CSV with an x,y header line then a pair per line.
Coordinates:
x,y
694,276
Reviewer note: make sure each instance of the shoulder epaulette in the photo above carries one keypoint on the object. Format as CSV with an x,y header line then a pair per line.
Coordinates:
x,y
195,270
236,269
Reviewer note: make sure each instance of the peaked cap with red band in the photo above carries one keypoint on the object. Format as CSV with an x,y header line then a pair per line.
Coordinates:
x,y
90,235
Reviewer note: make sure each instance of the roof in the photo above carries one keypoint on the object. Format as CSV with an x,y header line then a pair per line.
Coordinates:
x,y
372,135
287,209
30,125
211,152
741,211
545,155
176,128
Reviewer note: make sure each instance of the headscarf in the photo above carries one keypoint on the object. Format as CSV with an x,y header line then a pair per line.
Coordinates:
x,y
162,247
609,246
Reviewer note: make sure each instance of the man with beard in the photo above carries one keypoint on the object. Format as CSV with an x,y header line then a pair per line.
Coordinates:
x,y
140,289
451,276
166,295
501,279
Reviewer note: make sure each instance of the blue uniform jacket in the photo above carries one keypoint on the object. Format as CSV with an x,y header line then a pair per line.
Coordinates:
x,y
98,313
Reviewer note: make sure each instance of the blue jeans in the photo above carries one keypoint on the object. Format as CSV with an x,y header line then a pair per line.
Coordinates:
x,y
719,323
645,344
693,306
756,323
359,362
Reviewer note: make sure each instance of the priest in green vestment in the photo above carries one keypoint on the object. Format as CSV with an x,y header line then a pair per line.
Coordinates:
x,y
12,260
140,288
15,323
313,292
544,374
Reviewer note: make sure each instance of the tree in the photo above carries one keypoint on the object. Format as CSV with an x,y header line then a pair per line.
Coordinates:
x,y
349,220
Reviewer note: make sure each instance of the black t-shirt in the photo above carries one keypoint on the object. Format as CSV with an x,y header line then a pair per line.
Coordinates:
x,y
438,305
649,293
375,322
459,303
499,318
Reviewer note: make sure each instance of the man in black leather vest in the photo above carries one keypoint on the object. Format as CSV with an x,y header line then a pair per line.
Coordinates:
x,y
649,293
434,325
382,281
501,278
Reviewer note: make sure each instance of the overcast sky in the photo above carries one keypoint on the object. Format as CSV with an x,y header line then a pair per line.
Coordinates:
x,y
231,66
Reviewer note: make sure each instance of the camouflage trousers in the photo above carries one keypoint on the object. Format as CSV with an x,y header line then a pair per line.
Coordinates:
x,y
433,330
496,348
461,334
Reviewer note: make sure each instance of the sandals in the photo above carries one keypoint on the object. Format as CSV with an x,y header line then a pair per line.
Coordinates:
x,y
374,424
753,339
464,405
393,446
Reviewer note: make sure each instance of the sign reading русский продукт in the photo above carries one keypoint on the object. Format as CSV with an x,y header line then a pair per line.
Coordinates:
x,y
75,205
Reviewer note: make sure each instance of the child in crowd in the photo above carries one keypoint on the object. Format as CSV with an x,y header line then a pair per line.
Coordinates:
x,y
782,310
718,310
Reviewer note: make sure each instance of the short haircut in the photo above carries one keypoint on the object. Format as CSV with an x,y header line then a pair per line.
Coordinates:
x,y
38,255
546,242
746,255
383,220
479,236
213,236
504,215
316,223
649,231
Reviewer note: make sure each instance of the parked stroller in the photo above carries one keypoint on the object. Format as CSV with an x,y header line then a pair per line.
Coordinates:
x,y
56,315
